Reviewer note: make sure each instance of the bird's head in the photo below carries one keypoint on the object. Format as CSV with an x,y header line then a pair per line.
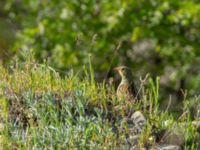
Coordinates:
x,y
124,72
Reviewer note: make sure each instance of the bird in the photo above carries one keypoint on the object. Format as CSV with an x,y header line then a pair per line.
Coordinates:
x,y
126,89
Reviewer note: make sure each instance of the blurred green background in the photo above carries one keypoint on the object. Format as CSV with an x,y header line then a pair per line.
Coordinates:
x,y
160,37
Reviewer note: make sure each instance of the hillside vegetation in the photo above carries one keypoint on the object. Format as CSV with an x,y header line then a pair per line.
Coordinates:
x,y
53,96
42,110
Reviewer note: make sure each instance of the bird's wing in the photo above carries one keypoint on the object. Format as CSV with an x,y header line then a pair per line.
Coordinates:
x,y
133,91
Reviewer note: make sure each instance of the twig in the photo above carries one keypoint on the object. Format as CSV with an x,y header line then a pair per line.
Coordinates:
x,y
142,83
169,103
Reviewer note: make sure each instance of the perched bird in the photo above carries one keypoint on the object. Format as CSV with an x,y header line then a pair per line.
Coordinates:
x,y
126,89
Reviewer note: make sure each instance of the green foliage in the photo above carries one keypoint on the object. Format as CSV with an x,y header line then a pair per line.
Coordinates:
x,y
160,37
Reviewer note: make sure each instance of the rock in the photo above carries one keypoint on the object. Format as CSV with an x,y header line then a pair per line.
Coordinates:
x,y
138,117
135,125
174,136
166,147
134,139
137,148
134,148
138,121
197,125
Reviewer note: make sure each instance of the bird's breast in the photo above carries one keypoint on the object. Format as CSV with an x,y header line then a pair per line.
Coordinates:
x,y
122,90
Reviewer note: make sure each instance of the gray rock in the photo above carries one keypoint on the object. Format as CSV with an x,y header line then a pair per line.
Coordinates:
x,y
166,147
139,121
197,125
134,139
174,136
138,117
137,148
134,148
135,125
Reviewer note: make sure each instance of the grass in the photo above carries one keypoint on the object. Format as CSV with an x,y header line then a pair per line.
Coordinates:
x,y
42,110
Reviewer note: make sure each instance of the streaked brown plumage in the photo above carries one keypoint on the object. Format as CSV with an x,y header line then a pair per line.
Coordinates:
x,y
126,89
